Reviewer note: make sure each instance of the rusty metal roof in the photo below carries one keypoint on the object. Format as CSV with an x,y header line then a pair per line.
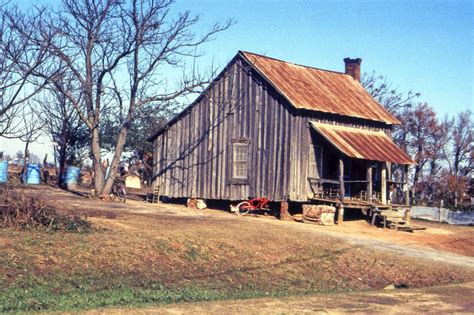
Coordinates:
x,y
320,90
363,144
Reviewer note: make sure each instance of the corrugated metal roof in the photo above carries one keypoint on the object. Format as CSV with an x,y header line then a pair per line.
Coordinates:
x,y
363,144
320,90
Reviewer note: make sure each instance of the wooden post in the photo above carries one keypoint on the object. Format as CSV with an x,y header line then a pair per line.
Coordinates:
x,y
369,183
341,179
383,179
407,190
389,178
340,212
284,214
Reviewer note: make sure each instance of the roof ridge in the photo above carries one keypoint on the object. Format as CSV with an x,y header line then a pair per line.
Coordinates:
x,y
293,63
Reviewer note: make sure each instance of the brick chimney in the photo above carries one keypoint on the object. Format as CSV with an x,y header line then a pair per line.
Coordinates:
x,y
353,67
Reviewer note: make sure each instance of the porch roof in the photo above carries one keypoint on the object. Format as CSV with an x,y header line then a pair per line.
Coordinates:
x,y
363,144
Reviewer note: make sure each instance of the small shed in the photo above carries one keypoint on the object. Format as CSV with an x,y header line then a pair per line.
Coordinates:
x,y
132,180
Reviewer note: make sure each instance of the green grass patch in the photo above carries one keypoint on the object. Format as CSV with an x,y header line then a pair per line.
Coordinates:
x,y
69,296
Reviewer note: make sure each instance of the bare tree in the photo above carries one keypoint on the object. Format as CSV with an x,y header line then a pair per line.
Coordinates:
x,y
438,138
63,126
420,123
383,92
31,131
20,58
459,155
118,53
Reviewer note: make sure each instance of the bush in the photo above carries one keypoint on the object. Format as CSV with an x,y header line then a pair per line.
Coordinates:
x,y
20,211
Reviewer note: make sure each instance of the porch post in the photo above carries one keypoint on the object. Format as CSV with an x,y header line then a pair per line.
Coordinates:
x,y
407,190
384,183
389,178
369,183
340,216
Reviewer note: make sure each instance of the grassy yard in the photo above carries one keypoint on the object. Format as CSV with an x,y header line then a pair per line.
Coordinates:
x,y
139,259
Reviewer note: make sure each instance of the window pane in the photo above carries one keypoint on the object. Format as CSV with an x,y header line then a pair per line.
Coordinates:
x,y
240,170
240,153
240,160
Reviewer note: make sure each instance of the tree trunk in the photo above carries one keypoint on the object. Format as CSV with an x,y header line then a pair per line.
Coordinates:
x,y
25,164
96,161
122,137
416,176
62,164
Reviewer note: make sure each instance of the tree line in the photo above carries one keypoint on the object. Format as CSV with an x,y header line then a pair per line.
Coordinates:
x,y
92,75
442,147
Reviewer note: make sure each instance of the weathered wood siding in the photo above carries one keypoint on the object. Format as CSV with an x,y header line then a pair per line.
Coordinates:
x,y
192,155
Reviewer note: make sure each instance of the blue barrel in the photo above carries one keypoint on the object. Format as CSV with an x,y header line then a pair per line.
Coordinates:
x,y
72,175
3,171
33,176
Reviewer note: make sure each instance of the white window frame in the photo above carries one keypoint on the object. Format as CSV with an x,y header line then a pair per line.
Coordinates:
x,y
240,157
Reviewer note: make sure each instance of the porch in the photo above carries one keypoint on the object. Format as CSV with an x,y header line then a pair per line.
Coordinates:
x,y
353,168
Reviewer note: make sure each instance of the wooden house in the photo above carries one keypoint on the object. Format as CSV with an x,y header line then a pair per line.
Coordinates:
x,y
267,127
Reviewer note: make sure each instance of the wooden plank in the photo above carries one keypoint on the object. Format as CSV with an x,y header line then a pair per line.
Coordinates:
x,y
220,106
325,180
340,210
279,189
383,179
252,165
257,138
369,182
355,181
195,169
407,190
275,145
341,178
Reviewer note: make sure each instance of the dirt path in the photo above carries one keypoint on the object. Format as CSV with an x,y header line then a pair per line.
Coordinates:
x,y
411,250
428,300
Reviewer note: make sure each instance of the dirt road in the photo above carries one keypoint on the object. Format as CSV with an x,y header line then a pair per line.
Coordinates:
x,y
412,250
433,300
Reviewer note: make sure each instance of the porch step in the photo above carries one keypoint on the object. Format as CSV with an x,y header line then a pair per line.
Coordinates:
x,y
391,214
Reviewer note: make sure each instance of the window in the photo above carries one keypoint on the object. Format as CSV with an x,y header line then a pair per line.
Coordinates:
x,y
240,161
239,170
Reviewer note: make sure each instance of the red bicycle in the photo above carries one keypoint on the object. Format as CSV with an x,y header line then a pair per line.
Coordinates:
x,y
254,204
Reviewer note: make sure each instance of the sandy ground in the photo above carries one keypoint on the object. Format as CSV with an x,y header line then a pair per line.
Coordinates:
x,y
433,300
